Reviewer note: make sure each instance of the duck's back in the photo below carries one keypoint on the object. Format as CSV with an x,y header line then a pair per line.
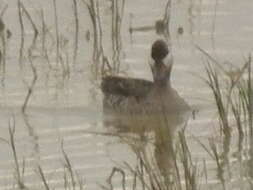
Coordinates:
x,y
140,96
127,87
124,94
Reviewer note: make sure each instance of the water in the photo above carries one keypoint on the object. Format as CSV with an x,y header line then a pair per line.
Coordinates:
x,y
69,110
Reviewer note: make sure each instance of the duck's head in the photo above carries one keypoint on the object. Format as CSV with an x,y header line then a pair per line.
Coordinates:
x,y
162,64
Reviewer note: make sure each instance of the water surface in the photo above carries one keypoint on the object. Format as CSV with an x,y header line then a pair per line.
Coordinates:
x,y
69,110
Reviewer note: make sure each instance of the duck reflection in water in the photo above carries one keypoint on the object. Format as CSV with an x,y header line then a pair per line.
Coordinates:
x,y
138,106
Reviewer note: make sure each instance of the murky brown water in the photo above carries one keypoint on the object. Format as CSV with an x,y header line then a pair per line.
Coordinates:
x,y
69,109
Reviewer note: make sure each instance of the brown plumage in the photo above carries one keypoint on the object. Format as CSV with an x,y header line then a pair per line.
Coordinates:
x,y
126,87
133,95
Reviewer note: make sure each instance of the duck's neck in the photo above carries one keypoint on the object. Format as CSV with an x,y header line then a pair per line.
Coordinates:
x,y
165,84
161,75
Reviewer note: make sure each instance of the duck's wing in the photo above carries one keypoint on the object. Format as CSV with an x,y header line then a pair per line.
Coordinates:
x,y
114,85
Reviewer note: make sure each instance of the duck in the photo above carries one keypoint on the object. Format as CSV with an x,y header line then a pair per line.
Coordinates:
x,y
139,96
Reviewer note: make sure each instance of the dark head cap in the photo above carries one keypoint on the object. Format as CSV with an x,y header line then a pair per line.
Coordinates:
x,y
159,50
